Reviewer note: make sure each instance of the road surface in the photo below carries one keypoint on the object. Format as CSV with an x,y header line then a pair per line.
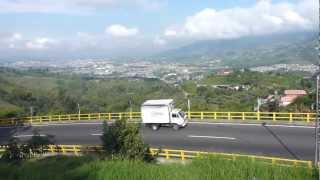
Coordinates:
x,y
294,142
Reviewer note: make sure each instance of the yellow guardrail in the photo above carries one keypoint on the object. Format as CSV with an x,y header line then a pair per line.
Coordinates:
x,y
179,154
243,116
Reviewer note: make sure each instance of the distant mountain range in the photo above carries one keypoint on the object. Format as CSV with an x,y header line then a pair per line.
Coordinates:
x,y
299,48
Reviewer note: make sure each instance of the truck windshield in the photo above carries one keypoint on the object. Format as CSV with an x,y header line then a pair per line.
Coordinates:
x,y
182,114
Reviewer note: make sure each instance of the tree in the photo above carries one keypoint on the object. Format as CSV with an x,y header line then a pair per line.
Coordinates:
x,y
122,140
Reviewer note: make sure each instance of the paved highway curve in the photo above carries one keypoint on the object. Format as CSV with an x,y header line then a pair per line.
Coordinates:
x,y
295,142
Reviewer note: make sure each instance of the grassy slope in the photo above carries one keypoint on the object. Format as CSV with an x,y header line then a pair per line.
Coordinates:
x,y
71,168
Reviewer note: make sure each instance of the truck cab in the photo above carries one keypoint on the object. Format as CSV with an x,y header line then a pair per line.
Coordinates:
x,y
179,118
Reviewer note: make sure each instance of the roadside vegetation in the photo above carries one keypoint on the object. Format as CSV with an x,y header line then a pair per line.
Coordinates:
x,y
91,168
42,93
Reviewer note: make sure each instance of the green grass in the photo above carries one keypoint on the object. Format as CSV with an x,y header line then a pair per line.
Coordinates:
x,y
72,168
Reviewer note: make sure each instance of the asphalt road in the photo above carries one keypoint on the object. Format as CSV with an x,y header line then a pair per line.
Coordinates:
x,y
274,140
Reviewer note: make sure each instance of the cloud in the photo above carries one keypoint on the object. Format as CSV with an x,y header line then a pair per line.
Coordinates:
x,y
39,43
75,6
159,41
264,17
118,30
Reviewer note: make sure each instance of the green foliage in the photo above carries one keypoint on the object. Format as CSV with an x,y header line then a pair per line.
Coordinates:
x,y
206,97
14,152
123,140
72,168
39,144
17,151
49,93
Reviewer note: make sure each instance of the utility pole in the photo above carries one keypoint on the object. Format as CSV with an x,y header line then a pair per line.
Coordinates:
x,y
189,108
31,110
79,112
258,104
316,156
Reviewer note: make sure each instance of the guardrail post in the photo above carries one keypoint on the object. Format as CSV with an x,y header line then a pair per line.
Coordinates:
x,y
201,115
130,115
69,117
310,165
89,116
63,149
308,117
99,115
258,116
59,117
50,118
229,116
182,154
75,150
167,154
120,115
273,161
51,149
215,116
109,115
290,117
243,116
274,116
152,153
189,115
40,119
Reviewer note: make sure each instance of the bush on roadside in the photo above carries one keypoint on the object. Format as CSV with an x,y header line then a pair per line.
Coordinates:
x,y
39,144
16,151
122,140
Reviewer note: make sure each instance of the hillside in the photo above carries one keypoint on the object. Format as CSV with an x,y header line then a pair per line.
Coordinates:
x,y
250,51
49,93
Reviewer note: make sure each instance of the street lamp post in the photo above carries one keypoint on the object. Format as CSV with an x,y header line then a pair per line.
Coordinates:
x,y
316,157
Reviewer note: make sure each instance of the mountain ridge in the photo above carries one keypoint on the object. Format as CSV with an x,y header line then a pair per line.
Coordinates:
x,y
288,48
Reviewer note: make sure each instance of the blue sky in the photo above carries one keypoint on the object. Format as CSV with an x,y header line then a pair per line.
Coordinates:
x,y
37,28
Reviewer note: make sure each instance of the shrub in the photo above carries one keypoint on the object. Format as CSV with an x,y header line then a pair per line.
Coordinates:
x,y
14,152
122,140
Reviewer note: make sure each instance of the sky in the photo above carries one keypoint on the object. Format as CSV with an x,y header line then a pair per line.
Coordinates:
x,y
43,29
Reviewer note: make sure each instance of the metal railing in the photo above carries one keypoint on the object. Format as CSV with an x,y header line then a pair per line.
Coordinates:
x,y
242,116
178,154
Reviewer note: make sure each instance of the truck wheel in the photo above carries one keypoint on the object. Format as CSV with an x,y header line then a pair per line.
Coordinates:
x,y
155,127
176,127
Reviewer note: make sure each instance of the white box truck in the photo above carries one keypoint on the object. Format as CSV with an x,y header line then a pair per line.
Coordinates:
x,y
156,113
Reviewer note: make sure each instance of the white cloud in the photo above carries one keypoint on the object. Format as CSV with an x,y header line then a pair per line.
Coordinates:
x,y
159,41
118,30
170,32
264,17
39,43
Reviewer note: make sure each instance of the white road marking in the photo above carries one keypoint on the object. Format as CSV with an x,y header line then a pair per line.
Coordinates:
x,y
97,134
252,124
212,137
28,135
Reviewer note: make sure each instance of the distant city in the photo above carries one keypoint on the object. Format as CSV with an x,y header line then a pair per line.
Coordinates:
x,y
169,72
